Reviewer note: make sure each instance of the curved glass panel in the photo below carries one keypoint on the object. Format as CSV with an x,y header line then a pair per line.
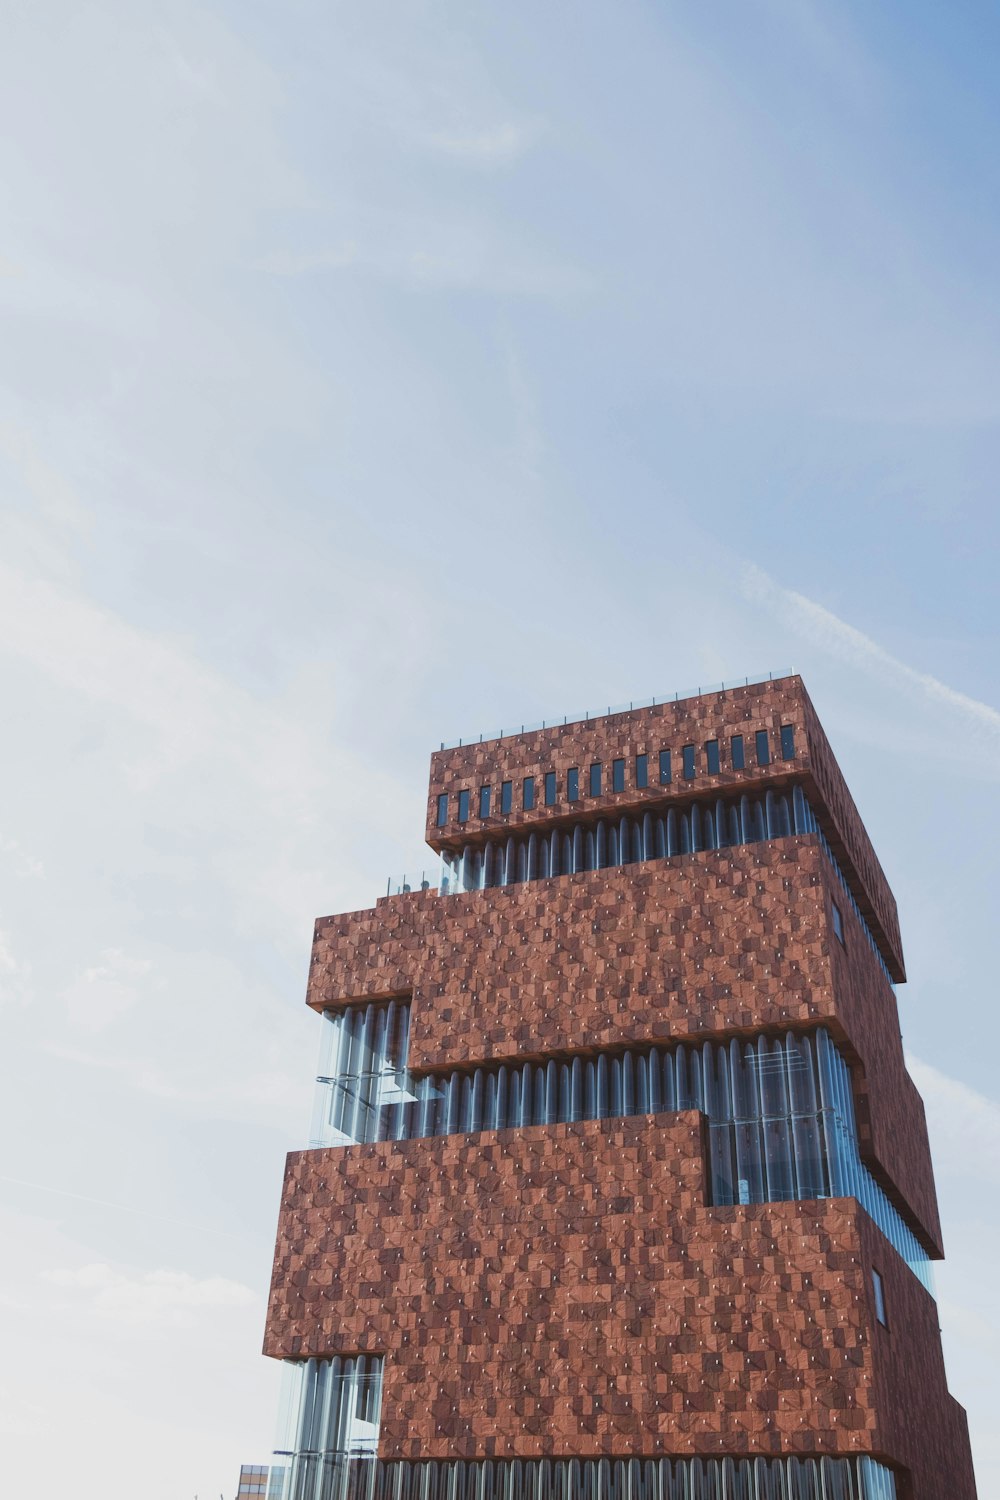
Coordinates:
x,y
358,1478
718,824
780,1109
328,1428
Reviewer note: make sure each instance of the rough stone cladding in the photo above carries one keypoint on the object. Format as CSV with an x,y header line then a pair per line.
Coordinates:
x,y
892,1126
707,944
919,1423
565,1290
765,706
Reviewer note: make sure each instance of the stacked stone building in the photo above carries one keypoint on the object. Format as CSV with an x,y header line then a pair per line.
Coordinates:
x,y
619,1188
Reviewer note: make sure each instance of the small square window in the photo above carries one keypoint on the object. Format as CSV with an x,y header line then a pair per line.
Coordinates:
x,y
736,753
617,775
463,807
595,779
506,794
879,1291
712,757
484,801
763,748
573,784
838,923
642,770
550,789
788,742
665,773
528,793
687,759
442,813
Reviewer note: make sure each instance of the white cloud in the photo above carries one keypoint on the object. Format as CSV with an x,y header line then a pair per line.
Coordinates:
x,y
22,864
303,262
114,964
487,148
272,1094
964,1125
457,254
23,1417
172,1298
15,976
105,990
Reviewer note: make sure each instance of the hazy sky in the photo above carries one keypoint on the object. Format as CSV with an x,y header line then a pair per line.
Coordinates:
x,y
379,373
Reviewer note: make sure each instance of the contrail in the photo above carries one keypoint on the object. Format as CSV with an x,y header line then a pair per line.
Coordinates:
x,y
834,635
124,1208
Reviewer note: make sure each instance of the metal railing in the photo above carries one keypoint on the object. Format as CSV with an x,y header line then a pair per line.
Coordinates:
x,y
584,716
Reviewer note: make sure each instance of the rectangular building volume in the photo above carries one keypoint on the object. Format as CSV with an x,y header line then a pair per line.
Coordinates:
x,y
618,1187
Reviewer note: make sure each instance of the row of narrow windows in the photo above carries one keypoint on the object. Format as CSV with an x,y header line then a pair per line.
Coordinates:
x,y
714,753
780,1110
726,823
327,1450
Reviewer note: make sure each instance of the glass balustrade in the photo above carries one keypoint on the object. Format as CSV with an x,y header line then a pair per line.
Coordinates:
x,y
328,1428
780,1109
632,839
789,1478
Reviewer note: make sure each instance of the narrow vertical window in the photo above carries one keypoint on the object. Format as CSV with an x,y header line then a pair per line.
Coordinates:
x,y
484,801
687,759
879,1291
642,770
712,757
573,784
736,753
363,1073
617,775
763,748
595,779
528,793
665,773
331,1412
463,807
838,922
550,788
506,790
787,742
442,815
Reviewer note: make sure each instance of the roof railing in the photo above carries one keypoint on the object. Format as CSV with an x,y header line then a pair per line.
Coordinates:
x,y
584,716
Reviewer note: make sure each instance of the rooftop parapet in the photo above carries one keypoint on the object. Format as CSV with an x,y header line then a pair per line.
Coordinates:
x,y
743,738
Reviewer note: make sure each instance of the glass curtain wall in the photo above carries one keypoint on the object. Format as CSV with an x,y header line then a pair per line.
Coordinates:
x,y
855,1478
365,1092
780,1109
327,1428
721,824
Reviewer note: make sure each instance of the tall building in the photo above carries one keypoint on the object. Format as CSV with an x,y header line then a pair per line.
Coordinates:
x,y
619,1188
253,1482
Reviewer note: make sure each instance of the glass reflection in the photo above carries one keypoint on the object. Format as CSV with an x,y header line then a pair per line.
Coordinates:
x,y
780,1109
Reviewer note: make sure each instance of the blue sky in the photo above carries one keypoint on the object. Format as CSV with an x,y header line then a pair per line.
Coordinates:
x,y
375,374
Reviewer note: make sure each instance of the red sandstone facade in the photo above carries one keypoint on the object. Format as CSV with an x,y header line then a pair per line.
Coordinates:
x,y
571,1289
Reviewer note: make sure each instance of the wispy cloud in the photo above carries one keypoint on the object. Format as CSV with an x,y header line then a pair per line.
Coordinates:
x,y
529,444
831,634
20,863
498,146
105,990
15,975
964,1125
457,255
306,262
268,1092
141,1298
121,1208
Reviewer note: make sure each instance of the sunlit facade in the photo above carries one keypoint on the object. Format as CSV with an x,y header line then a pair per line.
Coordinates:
x,y
617,1187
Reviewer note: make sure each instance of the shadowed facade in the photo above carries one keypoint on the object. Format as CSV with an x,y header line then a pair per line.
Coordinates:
x,y
618,1180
